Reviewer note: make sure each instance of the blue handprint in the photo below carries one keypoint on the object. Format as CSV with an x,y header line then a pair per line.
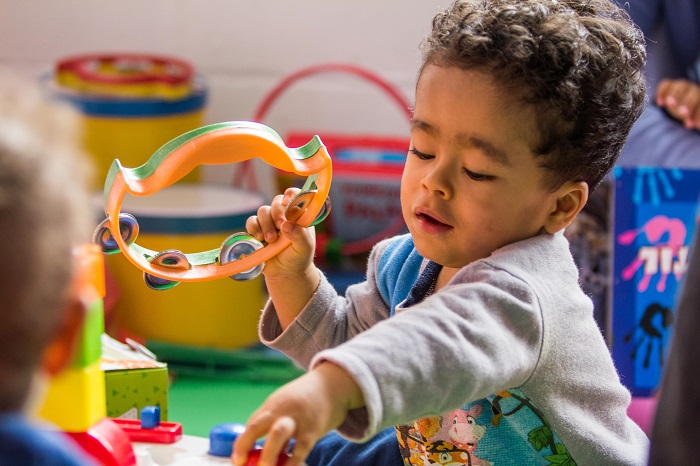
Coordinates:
x,y
658,182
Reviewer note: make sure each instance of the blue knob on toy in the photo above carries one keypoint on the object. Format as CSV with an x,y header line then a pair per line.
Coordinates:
x,y
150,417
221,438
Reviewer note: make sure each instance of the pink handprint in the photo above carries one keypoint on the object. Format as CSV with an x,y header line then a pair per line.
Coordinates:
x,y
654,230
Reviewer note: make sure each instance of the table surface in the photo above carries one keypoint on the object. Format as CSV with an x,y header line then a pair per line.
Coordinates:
x,y
189,450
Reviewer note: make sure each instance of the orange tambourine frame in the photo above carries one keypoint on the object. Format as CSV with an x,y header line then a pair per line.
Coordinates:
x,y
217,144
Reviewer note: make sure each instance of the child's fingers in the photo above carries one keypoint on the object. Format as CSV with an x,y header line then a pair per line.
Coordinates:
x,y
281,432
289,194
244,443
663,93
267,223
257,426
688,100
681,98
300,452
253,228
674,93
670,93
292,231
691,105
277,207
288,202
694,119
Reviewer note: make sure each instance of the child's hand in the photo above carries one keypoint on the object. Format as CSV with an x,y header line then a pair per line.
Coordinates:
x,y
290,276
271,222
681,98
304,410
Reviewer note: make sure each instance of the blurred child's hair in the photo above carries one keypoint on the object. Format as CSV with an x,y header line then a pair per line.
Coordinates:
x,y
579,63
44,211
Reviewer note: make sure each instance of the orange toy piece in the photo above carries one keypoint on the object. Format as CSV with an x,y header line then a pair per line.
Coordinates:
x,y
240,256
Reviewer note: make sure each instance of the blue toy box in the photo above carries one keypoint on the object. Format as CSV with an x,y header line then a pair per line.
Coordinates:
x,y
654,222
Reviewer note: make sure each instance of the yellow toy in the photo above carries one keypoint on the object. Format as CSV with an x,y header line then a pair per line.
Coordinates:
x,y
126,75
240,256
75,400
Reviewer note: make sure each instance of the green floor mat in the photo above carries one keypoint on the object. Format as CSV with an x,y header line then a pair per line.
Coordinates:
x,y
255,364
213,386
200,403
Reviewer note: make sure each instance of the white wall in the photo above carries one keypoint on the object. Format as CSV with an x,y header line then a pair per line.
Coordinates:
x,y
243,49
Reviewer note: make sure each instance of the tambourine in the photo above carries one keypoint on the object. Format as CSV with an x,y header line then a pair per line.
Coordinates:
x,y
241,256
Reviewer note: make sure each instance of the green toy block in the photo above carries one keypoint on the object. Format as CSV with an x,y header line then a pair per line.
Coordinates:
x,y
128,391
89,347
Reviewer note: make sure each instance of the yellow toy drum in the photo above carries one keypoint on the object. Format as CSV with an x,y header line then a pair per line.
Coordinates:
x,y
126,75
132,104
216,313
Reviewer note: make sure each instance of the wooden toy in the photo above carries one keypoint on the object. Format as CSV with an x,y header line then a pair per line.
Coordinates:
x,y
75,399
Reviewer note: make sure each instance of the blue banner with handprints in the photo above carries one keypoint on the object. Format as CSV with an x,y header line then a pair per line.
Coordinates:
x,y
654,218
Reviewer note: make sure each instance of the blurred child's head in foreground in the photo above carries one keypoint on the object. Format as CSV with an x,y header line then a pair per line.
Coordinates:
x,y
44,212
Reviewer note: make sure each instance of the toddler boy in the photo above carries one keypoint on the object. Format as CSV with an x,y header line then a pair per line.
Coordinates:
x,y
470,335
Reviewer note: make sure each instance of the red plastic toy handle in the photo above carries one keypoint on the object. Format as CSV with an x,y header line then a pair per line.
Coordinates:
x,y
244,172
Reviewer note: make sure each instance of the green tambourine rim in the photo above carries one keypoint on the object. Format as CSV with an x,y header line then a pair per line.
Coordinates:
x,y
147,169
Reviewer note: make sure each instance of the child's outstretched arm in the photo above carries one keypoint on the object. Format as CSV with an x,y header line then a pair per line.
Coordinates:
x,y
304,410
291,276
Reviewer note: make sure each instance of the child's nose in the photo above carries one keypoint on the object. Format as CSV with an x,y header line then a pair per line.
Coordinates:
x,y
437,180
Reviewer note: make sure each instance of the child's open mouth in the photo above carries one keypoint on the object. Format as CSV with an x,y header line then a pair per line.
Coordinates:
x,y
429,219
431,224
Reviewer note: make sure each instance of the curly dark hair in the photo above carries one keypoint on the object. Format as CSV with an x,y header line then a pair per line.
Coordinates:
x,y
579,63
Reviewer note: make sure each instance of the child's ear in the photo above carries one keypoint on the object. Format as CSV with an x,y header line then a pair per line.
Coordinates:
x,y
58,354
570,198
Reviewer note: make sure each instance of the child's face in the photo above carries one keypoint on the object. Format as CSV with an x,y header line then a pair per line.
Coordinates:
x,y
471,183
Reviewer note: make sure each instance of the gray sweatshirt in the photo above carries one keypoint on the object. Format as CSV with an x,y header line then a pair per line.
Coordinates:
x,y
513,326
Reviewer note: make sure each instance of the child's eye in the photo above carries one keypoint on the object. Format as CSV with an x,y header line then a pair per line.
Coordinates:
x,y
477,176
419,154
